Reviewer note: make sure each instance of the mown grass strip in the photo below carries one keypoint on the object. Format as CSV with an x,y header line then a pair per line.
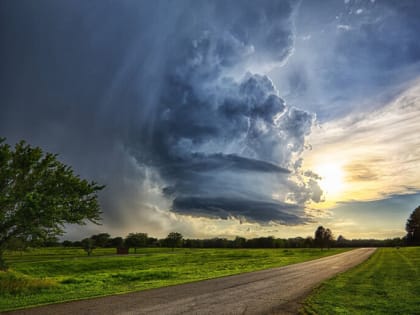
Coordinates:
x,y
387,283
59,274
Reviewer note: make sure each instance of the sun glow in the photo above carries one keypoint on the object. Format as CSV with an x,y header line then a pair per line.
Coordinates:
x,y
332,179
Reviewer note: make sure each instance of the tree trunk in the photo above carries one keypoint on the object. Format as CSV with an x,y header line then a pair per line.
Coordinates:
x,y
3,265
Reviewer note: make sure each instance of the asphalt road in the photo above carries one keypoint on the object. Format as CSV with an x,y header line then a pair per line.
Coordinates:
x,y
271,291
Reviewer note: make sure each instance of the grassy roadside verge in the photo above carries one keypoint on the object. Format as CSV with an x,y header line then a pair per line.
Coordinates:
x,y
58,274
387,283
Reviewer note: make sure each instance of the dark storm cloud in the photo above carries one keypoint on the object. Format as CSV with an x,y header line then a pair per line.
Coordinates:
x,y
214,130
206,163
241,208
156,96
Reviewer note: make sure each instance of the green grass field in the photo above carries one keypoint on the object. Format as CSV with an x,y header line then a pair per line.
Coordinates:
x,y
387,283
42,276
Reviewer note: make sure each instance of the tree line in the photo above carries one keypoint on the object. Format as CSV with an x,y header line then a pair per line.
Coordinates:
x,y
323,239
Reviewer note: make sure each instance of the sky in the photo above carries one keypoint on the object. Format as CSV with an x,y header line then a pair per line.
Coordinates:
x,y
220,118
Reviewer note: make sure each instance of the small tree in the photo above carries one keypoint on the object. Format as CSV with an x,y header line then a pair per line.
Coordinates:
x,y
239,242
413,227
174,239
67,243
88,245
38,195
101,239
136,240
323,237
117,242
341,241
319,237
328,238
308,242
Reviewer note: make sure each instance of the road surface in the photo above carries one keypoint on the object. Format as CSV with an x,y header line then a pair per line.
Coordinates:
x,y
271,291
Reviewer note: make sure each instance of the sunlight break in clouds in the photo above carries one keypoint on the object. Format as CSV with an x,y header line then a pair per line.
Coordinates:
x,y
379,152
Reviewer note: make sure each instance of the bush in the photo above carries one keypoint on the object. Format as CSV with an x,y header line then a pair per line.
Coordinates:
x,y
15,284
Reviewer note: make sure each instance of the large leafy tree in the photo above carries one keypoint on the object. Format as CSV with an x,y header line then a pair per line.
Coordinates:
x,y
413,227
39,194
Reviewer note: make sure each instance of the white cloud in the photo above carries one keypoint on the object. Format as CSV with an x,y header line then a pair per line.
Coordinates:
x,y
343,27
379,151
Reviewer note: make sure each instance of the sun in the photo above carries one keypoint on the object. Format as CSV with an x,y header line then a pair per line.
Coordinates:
x,y
332,179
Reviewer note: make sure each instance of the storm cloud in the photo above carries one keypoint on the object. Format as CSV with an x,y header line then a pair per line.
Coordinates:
x,y
168,104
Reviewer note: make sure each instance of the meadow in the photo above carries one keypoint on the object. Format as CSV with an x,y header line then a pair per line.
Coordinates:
x,y
387,283
49,275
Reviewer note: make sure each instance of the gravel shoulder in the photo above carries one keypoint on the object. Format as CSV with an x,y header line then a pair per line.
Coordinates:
x,y
271,291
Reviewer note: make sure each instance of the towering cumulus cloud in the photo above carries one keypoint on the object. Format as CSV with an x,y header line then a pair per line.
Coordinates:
x,y
168,103
222,140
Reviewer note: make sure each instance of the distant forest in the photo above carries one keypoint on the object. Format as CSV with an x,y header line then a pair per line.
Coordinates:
x,y
105,240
